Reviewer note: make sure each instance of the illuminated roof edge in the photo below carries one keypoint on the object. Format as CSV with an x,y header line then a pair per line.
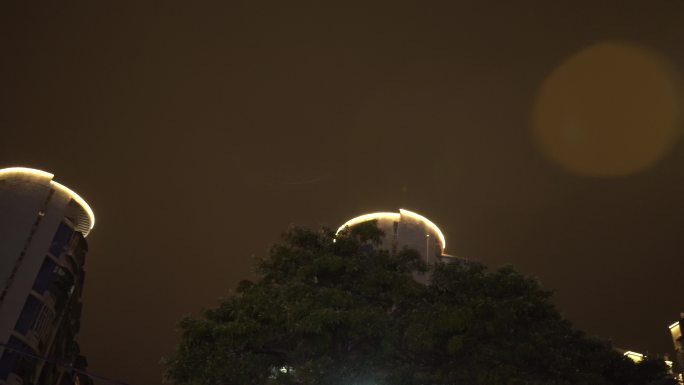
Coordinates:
x,y
72,194
396,217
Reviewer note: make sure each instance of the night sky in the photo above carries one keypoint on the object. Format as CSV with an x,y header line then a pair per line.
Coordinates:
x,y
539,134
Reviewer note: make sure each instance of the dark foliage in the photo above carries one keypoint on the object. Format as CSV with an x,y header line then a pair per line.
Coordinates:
x,y
342,312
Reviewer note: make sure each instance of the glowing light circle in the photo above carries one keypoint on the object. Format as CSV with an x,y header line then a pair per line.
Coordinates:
x,y
612,109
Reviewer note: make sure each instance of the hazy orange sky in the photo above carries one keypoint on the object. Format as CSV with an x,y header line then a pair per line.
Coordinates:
x,y
199,132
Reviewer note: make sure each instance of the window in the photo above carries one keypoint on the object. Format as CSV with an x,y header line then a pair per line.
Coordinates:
x,y
61,239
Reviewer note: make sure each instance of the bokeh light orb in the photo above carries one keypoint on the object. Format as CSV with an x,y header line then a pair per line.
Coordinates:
x,y
613,109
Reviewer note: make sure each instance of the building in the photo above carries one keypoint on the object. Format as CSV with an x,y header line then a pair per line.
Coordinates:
x,y
43,226
676,368
638,357
678,341
407,229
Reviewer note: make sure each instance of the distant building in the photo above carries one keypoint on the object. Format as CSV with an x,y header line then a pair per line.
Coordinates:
x,y
43,226
676,333
407,229
676,368
638,357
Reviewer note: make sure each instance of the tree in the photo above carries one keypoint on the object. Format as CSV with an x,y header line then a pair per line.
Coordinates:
x,y
329,310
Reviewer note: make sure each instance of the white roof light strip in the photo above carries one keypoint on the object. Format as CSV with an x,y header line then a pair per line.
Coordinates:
x,y
25,170
429,223
78,200
369,217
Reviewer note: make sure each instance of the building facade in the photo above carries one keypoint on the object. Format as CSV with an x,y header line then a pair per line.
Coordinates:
x,y
407,229
678,341
43,226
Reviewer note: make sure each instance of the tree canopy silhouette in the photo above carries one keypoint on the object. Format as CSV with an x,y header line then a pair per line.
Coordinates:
x,y
329,310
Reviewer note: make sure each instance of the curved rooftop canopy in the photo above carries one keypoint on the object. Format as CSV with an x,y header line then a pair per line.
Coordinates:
x,y
396,217
89,220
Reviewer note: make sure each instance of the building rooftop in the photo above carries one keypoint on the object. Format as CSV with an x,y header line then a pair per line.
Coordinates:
x,y
86,221
397,217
